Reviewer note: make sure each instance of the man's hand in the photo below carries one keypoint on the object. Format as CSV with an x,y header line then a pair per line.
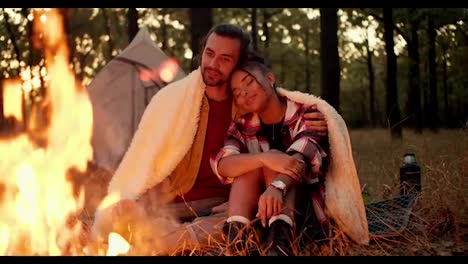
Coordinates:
x,y
315,121
269,204
283,163
126,210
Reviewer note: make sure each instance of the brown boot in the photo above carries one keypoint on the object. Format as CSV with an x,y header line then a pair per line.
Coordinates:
x,y
279,239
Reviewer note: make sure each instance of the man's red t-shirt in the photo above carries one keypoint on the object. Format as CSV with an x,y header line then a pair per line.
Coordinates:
x,y
207,185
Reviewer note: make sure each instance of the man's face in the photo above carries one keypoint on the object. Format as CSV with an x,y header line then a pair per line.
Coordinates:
x,y
219,58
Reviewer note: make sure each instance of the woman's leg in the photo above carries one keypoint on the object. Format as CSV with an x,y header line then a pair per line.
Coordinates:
x,y
243,199
289,199
281,227
245,191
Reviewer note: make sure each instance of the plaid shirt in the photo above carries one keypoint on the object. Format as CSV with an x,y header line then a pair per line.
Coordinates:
x,y
244,136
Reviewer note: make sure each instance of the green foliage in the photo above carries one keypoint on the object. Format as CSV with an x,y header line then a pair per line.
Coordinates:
x,y
293,47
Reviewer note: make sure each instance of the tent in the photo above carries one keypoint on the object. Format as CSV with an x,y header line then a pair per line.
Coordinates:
x,y
120,93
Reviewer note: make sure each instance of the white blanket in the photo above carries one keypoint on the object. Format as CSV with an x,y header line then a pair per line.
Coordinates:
x,y
343,199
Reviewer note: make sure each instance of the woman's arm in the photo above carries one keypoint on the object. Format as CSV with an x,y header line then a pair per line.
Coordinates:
x,y
236,165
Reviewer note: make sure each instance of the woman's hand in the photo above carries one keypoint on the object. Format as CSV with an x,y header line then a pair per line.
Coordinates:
x,y
269,204
283,163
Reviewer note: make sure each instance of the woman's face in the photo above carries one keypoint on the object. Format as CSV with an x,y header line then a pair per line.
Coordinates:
x,y
249,95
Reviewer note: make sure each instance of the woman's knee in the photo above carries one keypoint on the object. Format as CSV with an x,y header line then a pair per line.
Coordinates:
x,y
250,177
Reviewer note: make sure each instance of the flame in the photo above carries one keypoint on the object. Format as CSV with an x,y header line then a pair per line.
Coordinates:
x,y
110,199
117,245
38,198
13,99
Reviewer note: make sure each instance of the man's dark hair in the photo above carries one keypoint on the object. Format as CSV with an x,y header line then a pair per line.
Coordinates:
x,y
229,31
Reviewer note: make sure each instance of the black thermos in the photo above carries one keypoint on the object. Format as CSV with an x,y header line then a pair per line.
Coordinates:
x,y
410,175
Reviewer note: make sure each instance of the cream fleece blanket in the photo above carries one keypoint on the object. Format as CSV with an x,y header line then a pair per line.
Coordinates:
x,y
167,130
343,199
165,134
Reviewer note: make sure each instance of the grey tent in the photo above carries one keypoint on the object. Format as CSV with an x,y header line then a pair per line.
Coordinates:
x,y
119,97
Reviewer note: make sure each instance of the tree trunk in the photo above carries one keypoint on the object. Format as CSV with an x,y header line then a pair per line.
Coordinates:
x,y
25,13
433,107
132,17
266,32
12,35
329,60
393,110
164,46
110,43
65,12
253,24
307,62
414,90
370,71
201,21
445,83
296,79
363,103
282,67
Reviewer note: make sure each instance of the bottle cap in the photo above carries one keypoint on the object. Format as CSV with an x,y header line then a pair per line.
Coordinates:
x,y
409,158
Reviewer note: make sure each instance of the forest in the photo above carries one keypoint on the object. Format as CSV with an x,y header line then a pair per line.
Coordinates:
x,y
388,68
395,75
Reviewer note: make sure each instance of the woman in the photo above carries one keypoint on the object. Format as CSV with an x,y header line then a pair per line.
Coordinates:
x,y
267,149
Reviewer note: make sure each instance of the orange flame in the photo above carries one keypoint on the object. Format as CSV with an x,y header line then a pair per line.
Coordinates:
x,y
13,99
38,199
117,245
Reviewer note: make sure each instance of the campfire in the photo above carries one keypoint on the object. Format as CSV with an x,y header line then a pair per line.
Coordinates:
x,y
38,203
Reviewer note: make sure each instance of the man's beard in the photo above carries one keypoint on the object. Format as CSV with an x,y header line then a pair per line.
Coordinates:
x,y
213,82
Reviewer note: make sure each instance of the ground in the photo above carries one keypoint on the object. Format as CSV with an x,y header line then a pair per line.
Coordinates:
x,y
439,223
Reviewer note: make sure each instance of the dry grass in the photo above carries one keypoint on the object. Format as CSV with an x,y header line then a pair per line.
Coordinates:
x,y
439,223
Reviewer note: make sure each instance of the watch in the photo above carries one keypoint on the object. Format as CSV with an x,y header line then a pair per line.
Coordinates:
x,y
280,185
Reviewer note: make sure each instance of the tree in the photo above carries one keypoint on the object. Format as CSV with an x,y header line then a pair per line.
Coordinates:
x,y
12,35
201,21
254,30
412,17
132,18
267,15
329,60
108,26
393,110
433,117
371,76
414,79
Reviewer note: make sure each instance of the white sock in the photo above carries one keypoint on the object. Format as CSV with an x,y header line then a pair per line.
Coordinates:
x,y
283,217
238,218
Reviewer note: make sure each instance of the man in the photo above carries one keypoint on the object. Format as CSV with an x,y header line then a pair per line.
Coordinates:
x,y
185,185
